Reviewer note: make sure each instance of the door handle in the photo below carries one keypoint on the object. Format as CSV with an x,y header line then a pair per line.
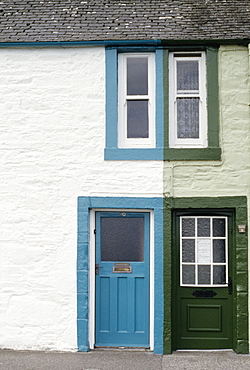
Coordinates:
x,y
97,267
230,286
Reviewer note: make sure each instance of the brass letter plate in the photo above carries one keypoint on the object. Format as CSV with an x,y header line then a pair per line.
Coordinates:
x,y
122,268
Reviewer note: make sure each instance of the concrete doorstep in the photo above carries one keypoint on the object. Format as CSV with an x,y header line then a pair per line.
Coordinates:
x,y
122,360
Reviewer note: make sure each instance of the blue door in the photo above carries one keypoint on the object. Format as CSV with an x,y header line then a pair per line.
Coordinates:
x,y
122,279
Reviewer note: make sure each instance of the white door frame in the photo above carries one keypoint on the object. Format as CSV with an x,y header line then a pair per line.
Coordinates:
x,y
92,273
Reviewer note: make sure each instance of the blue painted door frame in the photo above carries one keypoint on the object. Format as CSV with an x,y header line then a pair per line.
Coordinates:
x,y
122,279
85,205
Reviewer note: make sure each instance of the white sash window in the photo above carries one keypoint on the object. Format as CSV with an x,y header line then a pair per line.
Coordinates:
x,y
136,100
187,100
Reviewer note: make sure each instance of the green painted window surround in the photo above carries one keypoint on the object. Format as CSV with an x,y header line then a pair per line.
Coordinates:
x,y
213,151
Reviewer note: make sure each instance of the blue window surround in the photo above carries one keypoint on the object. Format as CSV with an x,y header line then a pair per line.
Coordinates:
x,y
112,152
85,204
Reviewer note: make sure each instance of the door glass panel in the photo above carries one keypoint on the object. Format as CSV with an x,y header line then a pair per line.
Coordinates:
x,y
188,274
204,276
122,239
137,76
204,250
203,254
219,253
187,75
219,276
219,227
188,250
188,227
137,119
203,226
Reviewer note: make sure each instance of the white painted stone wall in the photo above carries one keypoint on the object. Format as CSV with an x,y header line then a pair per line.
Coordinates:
x,y
52,137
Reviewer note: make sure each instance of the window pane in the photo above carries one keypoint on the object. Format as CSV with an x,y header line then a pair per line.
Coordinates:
x,y
219,227
188,118
122,239
219,275
204,275
219,253
137,118
188,274
204,250
188,227
188,250
137,76
203,226
187,75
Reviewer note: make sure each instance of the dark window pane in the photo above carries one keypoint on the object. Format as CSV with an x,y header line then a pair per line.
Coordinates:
x,y
122,239
188,118
188,274
219,275
187,75
188,227
137,76
204,275
188,250
219,227
219,252
203,226
137,118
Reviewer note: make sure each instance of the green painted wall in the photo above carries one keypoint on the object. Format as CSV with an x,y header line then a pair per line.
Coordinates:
x,y
228,177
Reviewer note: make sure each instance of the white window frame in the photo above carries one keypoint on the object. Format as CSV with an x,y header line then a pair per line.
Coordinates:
x,y
197,263
123,140
174,141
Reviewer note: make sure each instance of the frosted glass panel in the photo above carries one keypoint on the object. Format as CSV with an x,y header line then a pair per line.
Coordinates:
x,y
122,239
204,275
137,76
188,118
188,227
204,250
219,275
188,274
203,226
187,75
188,250
219,227
219,252
137,118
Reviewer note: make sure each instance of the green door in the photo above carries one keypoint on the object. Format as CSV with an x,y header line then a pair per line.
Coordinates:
x,y
202,284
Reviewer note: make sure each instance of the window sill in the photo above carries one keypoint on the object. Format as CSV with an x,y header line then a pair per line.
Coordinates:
x,y
192,154
119,154
158,154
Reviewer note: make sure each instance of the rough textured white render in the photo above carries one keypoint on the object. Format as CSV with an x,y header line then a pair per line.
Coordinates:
x,y
52,128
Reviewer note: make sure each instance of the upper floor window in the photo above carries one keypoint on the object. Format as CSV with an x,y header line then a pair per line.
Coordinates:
x,y
187,100
136,100
162,104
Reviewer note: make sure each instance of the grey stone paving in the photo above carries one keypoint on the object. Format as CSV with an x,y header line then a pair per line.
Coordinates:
x,y
121,360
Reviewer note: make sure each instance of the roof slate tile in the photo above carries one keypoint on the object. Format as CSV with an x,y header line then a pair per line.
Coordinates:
x,y
76,20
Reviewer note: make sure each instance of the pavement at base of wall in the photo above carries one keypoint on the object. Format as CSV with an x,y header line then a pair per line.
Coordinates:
x,y
122,360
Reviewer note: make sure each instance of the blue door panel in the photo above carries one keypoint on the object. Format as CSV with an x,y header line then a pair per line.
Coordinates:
x,y
122,299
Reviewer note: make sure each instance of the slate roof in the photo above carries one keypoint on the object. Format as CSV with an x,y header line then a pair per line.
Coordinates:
x,y
83,20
